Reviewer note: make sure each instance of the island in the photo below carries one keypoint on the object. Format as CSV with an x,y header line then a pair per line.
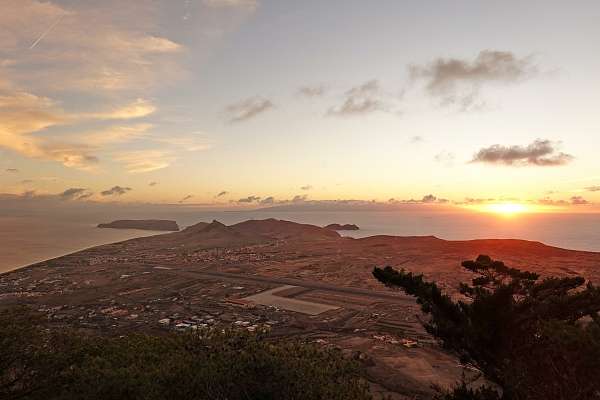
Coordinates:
x,y
345,227
144,224
295,281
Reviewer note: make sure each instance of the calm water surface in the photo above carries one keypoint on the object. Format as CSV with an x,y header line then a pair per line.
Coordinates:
x,y
33,237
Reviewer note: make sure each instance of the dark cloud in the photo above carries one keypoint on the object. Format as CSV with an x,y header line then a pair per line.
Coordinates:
x,y
574,200
12,170
26,181
551,202
299,198
116,191
577,200
593,188
268,201
312,91
539,153
249,199
153,184
427,199
306,187
360,100
75,194
298,204
458,81
29,194
189,196
247,109
223,193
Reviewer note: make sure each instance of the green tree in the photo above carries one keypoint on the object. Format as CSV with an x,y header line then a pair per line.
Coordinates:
x,y
536,339
38,363
32,359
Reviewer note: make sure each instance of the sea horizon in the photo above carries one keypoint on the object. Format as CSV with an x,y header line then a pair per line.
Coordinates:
x,y
26,244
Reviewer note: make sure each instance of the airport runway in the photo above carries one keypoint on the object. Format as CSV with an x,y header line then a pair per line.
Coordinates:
x,y
395,297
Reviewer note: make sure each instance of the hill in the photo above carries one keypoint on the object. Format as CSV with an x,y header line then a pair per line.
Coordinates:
x,y
345,227
279,229
299,280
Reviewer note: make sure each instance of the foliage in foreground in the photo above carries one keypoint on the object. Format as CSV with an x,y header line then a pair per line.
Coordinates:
x,y
46,364
535,339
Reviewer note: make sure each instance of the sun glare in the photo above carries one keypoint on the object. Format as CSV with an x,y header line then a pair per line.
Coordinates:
x,y
505,209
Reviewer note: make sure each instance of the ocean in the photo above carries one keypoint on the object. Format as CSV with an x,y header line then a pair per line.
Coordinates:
x,y
31,237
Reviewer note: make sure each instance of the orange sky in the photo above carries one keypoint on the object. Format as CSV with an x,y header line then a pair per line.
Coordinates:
x,y
250,103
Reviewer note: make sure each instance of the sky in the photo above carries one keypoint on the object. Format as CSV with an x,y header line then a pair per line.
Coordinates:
x,y
245,103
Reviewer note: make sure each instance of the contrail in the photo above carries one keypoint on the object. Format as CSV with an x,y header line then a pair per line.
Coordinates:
x,y
47,31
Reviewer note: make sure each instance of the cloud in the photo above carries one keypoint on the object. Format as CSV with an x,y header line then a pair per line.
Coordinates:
x,y
26,181
152,183
28,194
116,191
137,109
222,193
247,109
593,188
458,81
187,142
312,91
189,196
539,153
12,170
358,205
427,199
306,187
141,161
23,115
75,194
125,56
116,134
249,199
299,198
417,139
361,100
578,200
267,201
83,56
574,200
471,200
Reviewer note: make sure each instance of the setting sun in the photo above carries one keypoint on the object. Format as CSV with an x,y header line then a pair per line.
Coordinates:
x,y
505,209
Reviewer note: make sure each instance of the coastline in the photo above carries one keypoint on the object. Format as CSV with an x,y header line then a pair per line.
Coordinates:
x,y
32,239
7,267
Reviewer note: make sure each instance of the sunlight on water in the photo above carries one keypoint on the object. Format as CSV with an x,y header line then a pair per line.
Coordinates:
x,y
28,239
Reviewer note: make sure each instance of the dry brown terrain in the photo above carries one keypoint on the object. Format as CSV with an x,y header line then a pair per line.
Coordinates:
x,y
296,280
